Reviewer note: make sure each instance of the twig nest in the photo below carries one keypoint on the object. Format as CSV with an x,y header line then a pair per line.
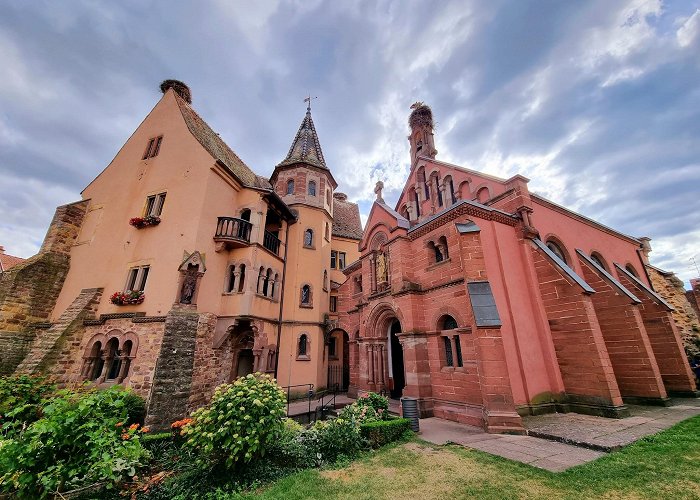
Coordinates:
x,y
179,87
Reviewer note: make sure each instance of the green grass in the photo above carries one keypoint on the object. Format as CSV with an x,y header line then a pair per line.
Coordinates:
x,y
666,465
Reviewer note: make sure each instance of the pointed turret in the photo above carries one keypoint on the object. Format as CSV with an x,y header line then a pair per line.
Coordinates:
x,y
306,148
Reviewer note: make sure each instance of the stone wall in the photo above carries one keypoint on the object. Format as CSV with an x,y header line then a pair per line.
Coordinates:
x,y
672,290
28,291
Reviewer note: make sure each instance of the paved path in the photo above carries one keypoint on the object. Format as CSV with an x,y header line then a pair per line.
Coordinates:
x,y
542,453
559,441
608,434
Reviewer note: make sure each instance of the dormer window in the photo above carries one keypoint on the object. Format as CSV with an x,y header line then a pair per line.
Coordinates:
x,y
153,147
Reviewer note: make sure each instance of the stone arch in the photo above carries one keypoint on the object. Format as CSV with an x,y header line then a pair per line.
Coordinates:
x,y
245,213
553,238
464,191
303,346
482,193
378,240
380,318
596,256
447,310
632,270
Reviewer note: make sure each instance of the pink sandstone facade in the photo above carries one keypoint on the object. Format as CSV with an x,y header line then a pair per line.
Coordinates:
x,y
486,302
181,269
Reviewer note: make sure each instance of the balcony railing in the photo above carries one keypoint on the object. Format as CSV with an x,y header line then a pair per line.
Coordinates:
x,y
233,231
271,242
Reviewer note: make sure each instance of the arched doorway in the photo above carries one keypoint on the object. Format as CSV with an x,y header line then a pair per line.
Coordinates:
x,y
396,363
245,362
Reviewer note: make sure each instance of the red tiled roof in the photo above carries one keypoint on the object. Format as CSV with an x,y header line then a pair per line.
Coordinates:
x,y
346,218
8,261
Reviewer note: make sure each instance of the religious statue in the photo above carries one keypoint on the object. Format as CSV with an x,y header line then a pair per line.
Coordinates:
x,y
189,284
382,276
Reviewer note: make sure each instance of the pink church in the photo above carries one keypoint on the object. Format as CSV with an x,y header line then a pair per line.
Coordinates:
x,y
486,302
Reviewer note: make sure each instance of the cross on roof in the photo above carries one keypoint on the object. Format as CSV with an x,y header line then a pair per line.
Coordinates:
x,y
308,100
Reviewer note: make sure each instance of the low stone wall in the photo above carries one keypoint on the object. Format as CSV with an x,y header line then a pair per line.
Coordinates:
x,y
14,346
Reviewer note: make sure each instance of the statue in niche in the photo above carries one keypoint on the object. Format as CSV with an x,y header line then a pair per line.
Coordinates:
x,y
382,276
189,284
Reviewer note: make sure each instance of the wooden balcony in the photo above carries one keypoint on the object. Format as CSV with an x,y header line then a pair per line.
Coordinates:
x,y
232,232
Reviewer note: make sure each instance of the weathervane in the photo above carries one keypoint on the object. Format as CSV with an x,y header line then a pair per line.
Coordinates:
x,y
308,100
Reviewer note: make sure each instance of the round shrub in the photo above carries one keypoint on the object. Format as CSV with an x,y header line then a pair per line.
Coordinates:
x,y
241,421
377,402
338,438
81,439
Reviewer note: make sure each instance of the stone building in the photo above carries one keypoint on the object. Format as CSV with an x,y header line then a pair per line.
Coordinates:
x,y
182,269
487,302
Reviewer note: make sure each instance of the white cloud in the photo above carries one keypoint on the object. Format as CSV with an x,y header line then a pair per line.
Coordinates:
x,y
689,30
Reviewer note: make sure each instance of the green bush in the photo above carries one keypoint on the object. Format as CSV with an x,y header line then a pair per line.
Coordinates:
x,y
295,447
377,402
80,440
241,422
135,408
338,438
379,433
21,399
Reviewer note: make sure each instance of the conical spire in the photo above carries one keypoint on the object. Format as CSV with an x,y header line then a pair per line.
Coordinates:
x,y
306,148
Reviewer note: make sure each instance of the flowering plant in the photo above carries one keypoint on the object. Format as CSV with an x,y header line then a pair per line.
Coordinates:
x,y
127,298
149,220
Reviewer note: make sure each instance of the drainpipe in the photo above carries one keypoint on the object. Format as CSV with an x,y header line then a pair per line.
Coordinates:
x,y
279,320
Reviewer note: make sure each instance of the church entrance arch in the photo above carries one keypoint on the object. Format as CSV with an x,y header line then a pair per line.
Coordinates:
x,y
396,365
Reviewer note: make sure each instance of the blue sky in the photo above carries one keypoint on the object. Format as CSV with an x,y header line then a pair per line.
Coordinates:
x,y
597,102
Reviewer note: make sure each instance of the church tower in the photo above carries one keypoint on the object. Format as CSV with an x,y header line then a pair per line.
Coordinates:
x,y
306,185
421,138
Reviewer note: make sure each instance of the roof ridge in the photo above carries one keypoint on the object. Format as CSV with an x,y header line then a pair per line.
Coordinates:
x,y
214,144
301,150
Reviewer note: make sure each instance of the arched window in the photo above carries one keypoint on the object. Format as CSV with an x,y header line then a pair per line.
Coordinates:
x,y
438,190
312,188
261,280
303,347
95,362
230,278
436,251
482,195
241,278
266,282
598,259
420,177
113,359
245,214
451,187
447,322
126,360
630,269
290,186
417,201
442,243
557,250
306,294
309,238
275,285
328,197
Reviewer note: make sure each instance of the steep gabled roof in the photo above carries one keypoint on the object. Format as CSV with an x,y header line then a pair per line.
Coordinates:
x,y
216,147
306,147
346,218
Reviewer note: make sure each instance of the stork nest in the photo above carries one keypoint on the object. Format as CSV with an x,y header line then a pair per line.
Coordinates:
x,y
179,87
421,115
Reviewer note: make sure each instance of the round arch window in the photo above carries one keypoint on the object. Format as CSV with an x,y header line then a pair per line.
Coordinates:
x,y
596,257
557,250
630,269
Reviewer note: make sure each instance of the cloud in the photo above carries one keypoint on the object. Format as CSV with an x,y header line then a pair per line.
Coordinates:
x,y
597,102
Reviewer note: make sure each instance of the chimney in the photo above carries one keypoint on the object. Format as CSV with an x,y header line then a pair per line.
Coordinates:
x,y
179,88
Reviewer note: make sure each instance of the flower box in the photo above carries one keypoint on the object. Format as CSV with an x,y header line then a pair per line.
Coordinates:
x,y
140,222
127,298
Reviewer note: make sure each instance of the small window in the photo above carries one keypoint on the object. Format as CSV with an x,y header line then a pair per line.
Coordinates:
x,y
334,259
630,269
325,279
341,260
438,191
417,201
303,345
309,238
334,304
458,350
306,295
448,351
136,279
332,348
290,186
556,250
328,232
438,253
453,196
153,148
595,257
328,197
241,278
312,188
231,279
261,280
154,205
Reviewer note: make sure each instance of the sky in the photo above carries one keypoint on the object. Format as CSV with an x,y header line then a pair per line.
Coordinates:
x,y
597,102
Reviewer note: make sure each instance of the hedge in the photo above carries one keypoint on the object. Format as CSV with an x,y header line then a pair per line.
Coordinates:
x,y
382,432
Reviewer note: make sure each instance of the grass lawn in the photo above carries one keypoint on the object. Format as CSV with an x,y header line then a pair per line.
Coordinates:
x,y
666,465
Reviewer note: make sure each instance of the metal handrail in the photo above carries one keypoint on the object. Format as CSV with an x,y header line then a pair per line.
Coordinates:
x,y
233,228
309,393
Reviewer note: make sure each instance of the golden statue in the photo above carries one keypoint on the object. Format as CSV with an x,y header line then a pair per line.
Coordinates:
x,y
381,268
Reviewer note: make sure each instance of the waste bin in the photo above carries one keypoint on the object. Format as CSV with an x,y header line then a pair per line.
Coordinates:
x,y
409,410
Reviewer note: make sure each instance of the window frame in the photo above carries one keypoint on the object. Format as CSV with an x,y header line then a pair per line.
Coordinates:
x,y
154,204
153,147
290,184
334,259
342,260
137,275
333,304
311,186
